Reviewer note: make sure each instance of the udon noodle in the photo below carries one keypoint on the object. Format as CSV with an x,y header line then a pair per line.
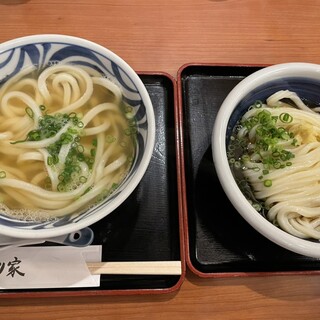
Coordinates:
x,y
67,140
276,148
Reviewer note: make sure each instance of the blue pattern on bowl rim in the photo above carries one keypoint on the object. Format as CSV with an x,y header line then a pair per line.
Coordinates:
x,y
306,89
45,53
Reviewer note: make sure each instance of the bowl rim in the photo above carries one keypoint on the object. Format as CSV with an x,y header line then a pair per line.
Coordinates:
x,y
150,141
218,144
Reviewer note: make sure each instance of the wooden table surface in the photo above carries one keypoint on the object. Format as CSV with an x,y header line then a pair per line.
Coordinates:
x,y
163,35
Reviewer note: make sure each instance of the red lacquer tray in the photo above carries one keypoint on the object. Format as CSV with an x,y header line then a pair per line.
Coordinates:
x,y
219,242
148,225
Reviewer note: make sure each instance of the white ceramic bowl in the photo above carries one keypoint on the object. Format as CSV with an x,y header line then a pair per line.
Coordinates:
x,y
46,49
303,78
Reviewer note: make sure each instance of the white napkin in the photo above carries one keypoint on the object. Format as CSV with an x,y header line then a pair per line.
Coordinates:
x,y
48,267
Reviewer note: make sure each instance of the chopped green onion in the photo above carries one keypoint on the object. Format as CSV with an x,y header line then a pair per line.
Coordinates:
x,y
61,187
267,183
80,148
285,117
83,179
50,161
29,112
258,104
110,139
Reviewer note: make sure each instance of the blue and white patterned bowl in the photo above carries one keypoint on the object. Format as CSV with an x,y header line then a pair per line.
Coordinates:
x,y
47,49
302,78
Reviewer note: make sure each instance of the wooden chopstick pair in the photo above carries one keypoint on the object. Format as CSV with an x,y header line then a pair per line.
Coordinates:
x,y
136,268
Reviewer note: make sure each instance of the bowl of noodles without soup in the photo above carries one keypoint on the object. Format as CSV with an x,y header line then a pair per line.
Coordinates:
x,y
266,153
77,134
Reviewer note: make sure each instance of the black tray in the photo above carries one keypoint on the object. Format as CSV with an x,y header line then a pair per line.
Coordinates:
x,y
148,225
218,240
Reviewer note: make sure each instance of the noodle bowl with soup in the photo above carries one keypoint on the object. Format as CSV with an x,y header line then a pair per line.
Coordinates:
x,y
76,134
265,146
274,149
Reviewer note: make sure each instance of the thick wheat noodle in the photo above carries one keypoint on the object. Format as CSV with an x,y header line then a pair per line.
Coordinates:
x,y
62,89
33,83
16,79
84,77
293,198
7,110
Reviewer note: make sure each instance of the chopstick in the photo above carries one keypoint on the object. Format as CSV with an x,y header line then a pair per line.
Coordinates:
x,y
136,267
